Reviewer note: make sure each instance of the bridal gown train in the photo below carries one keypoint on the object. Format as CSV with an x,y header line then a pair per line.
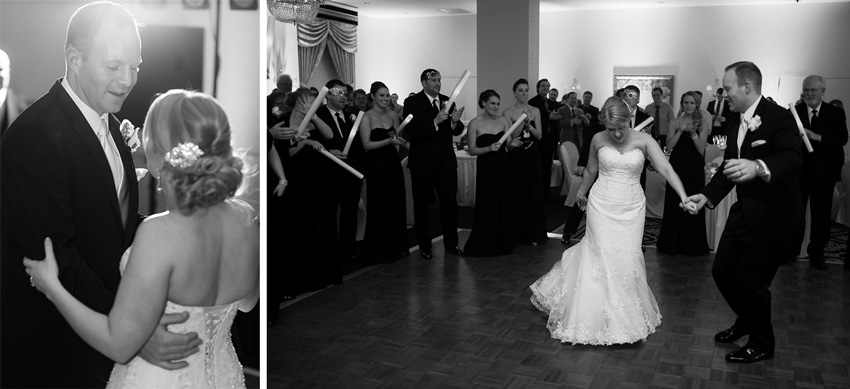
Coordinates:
x,y
214,366
597,293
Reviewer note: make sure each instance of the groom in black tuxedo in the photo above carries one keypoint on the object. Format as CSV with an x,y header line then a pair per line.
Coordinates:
x,y
631,95
768,212
67,173
432,160
347,186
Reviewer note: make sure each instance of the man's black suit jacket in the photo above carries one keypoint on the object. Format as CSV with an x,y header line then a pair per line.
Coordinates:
x,y
640,116
430,148
772,209
356,154
540,102
727,113
827,159
57,183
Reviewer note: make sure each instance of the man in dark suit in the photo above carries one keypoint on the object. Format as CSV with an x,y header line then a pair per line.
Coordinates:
x,y
547,150
432,160
68,174
347,185
631,95
718,118
765,174
826,128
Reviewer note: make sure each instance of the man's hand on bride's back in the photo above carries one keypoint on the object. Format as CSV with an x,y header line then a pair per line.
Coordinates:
x,y
167,349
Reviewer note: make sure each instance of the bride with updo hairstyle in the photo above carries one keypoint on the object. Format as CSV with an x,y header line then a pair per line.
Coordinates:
x,y
201,256
180,117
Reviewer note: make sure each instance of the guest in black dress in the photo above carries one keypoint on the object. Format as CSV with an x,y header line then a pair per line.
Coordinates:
x,y
385,239
312,232
492,233
681,232
526,170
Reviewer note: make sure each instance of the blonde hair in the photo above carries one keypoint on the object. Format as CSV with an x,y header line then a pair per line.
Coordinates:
x,y
180,116
616,112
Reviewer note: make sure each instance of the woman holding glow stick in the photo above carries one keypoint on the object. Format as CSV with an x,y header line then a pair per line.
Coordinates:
x,y
385,239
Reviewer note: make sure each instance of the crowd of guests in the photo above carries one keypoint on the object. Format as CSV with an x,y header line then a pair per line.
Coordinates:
x,y
513,173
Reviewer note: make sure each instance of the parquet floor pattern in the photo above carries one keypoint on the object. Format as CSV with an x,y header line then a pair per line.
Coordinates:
x,y
456,322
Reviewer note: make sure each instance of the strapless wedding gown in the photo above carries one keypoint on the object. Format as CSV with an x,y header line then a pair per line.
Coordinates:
x,y
597,293
214,366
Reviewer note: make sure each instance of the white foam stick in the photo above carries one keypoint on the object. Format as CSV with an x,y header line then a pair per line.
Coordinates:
x,y
353,133
404,123
516,124
456,92
340,163
312,111
645,123
800,127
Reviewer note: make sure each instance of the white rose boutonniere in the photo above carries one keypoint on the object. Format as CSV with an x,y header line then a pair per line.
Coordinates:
x,y
754,123
130,133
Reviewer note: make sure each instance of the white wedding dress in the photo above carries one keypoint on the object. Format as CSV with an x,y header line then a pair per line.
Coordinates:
x,y
597,293
214,366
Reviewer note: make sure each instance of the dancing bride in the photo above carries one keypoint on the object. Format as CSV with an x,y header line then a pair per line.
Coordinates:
x,y
200,256
597,293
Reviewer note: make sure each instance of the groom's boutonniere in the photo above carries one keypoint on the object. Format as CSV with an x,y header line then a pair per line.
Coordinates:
x,y
130,133
754,123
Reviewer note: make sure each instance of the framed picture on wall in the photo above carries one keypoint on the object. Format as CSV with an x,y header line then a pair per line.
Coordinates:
x,y
646,84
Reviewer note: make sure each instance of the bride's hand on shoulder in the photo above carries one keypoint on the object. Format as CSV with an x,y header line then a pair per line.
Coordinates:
x,y
44,274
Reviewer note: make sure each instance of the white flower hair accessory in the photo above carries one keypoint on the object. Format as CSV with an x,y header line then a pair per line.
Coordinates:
x,y
130,134
754,123
183,155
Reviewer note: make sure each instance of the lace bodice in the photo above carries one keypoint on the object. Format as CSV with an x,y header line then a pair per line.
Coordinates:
x,y
214,366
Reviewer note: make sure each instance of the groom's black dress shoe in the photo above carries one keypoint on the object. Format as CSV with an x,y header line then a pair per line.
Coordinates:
x,y
567,239
454,250
425,253
748,354
730,335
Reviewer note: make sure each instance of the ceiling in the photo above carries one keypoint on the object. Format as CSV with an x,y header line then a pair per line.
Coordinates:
x,y
392,9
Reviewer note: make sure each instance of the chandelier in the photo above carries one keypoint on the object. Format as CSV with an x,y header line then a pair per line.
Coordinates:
x,y
295,11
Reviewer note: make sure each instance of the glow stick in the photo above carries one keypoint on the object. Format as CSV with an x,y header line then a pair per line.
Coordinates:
x,y
456,92
340,163
353,132
404,123
513,127
800,127
312,111
645,123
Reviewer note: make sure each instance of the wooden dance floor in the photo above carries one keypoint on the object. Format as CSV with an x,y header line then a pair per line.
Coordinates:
x,y
467,322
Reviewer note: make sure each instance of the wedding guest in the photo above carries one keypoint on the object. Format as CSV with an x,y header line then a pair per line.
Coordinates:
x,y
385,239
432,161
662,113
346,190
528,205
720,113
394,105
547,149
492,233
572,122
591,113
172,266
762,163
631,95
553,99
826,127
361,101
11,104
63,180
284,83
313,232
682,233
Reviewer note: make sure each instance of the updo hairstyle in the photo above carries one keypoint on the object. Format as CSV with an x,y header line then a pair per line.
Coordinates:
x,y
376,86
181,116
485,96
615,111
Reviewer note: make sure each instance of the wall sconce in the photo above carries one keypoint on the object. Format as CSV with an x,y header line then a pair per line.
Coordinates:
x,y
576,85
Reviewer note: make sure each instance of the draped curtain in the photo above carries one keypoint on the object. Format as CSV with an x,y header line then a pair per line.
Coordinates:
x,y
342,45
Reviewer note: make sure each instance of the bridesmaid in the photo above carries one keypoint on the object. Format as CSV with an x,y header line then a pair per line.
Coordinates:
x,y
681,232
385,239
491,234
526,169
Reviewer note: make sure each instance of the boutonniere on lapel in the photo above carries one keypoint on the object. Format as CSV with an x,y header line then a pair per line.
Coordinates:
x,y
130,133
754,123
